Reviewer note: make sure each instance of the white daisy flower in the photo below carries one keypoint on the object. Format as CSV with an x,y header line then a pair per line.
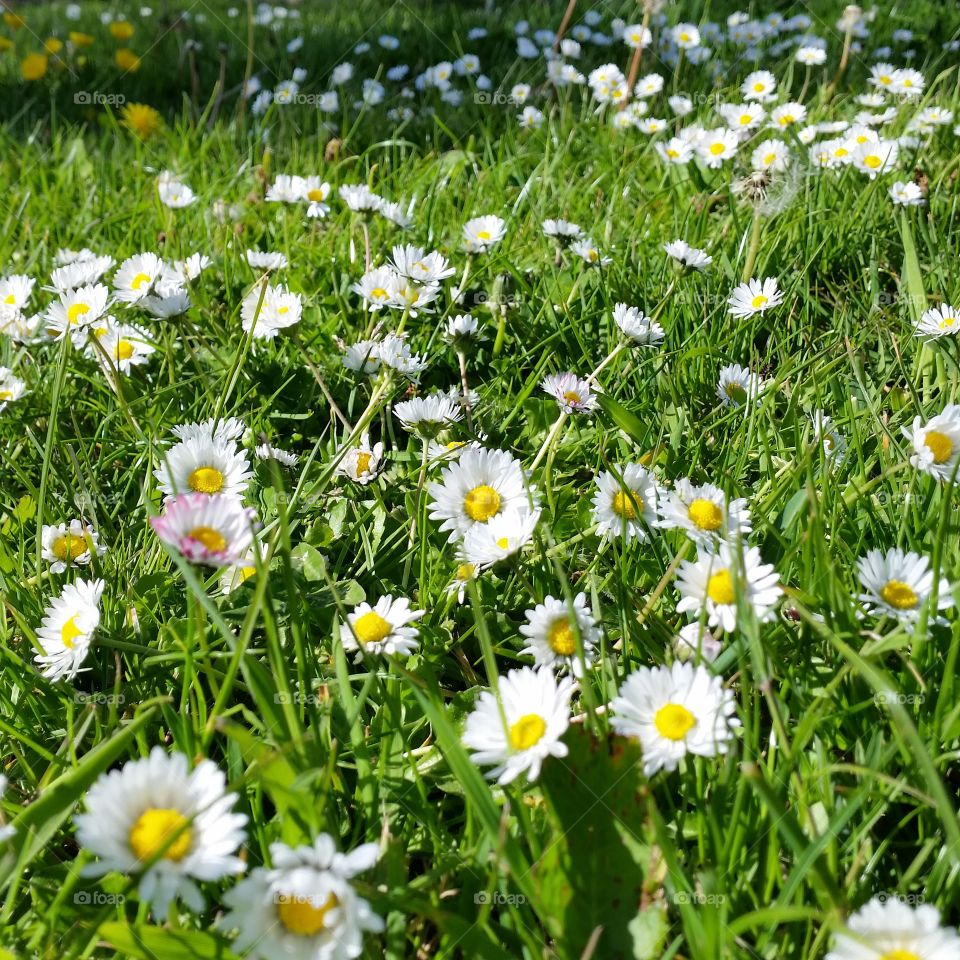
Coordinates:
x,y
428,415
485,544
205,466
686,36
70,544
267,451
362,463
280,308
316,191
938,322
704,513
363,356
787,114
771,155
674,711
760,85
11,387
908,83
755,296
711,584
571,393
716,146
675,150
810,56
136,276
588,251
126,346
76,310
67,629
360,198
173,303
696,641
936,443
636,36
377,287
886,928
304,907
625,503
563,231
477,488
898,584
175,194
552,638
15,291
217,431
636,326
286,189
517,734
414,264
82,273
464,573
481,234
738,385
691,257
907,194
873,158
212,530
394,352
156,817
381,629
266,260
463,328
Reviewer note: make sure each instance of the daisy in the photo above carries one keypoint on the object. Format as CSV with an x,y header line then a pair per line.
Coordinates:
x,y
873,158
787,114
175,194
265,260
625,503
938,322
377,287
267,451
897,584
830,439
381,629
636,36
760,85
587,251
304,907
770,155
214,530
286,189
810,56
73,544
481,234
675,711
428,415
217,431
394,352
907,194
11,387
360,198
695,641
202,465
711,583
486,544
68,626
936,443
552,637
362,463
411,262
136,276
81,272
908,83
754,297
737,385
316,191
675,150
703,513
77,310
686,36
519,732
126,346
15,292
464,573
462,328
562,231
716,146
173,303
691,257
279,308
173,825
636,326
573,395
480,486
886,928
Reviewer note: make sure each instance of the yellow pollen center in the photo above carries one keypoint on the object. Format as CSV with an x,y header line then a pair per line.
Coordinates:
x,y
622,504
363,463
572,396
527,731
465,571
672,153
899,595
736,392
705,514
716,149
69,547
483,235
76,311
283,310
758,88
745,119
372,628
10,298
139,280
720,588
939,444
674,721
378,293
69,632
840,152
123,350
6,395
316,194
205,480
503,543
786,120
758,301
769,158
872,161
212,539
302,916
899,954
481,503
159,829
561,639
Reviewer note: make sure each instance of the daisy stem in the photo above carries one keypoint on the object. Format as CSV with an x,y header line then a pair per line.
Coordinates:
x,y
754,247
418,497
604,362
462,285
366,243
467,409
501,333
551,437
806,83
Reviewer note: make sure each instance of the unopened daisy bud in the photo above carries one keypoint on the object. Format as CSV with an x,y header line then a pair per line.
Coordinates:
x,y
462,328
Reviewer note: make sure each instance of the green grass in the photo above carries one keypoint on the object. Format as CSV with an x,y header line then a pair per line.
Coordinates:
x,y
833,791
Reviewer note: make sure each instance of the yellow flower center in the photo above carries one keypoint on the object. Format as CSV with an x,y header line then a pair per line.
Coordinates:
x,y
372,628
157,829
378,293
786,120
205,480
527,731
769,158
899,954
736,392
481,503
6,395
705,514
69,547
212,539
69,632
316,194
10,298
939,444
123,350
622,504
503,543
717,148
840,152
746,119
76,311
139,280
673,154
899,595
758,88
363,462
483,235
720,588
302,916
674,721
872,161
465,571
758,301
561,639
572,397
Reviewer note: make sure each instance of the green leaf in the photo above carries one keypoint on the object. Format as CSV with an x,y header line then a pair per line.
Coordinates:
x,y
629,422
911,282
161,943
